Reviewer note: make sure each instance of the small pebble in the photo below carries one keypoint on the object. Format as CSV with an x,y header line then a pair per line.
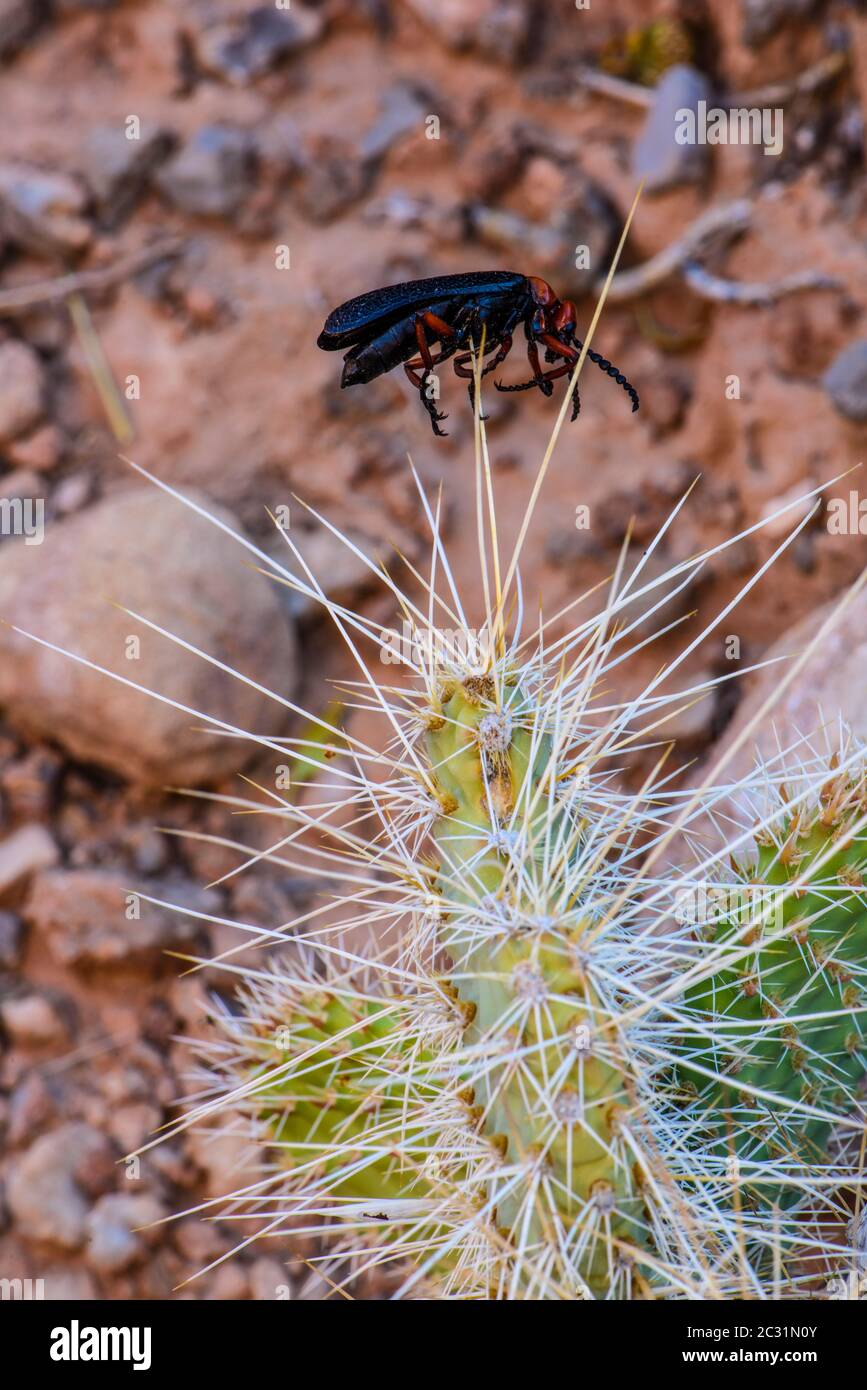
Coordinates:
x,y
21,389
40,451
32,1020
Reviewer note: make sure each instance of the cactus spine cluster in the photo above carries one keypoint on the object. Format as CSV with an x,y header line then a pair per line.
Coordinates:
x,y
499,1058
499,1067
541,1089
527,984
788,949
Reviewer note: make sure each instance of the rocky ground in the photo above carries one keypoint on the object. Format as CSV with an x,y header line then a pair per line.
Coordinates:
x,y
219,176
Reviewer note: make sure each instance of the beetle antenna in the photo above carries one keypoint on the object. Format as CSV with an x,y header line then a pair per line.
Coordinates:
x,y
610,370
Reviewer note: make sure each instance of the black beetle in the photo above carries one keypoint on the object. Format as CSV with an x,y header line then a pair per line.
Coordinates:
x,y
385,327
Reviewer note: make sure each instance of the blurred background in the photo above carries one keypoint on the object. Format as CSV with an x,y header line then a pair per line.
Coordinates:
x,y
185,192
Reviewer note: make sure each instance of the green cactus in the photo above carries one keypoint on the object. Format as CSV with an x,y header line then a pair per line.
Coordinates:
x,y
486,766
495,1058
435,1115
331,1078
326,1078
788,965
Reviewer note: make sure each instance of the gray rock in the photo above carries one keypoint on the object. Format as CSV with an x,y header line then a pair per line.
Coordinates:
x,y
113,1242
829,687
148,849
336,171
246,46
761,19
11,941
500,29
505,31
657,157
35,1103
72,492
88,917
334,177
213,174
402,112
143,549
33,1020
44,1198
169,1161
19,20
23,853
118,170
42,211
21,389
846,381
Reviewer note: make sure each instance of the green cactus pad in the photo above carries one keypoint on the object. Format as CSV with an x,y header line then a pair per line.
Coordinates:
x,y
795,981
527,988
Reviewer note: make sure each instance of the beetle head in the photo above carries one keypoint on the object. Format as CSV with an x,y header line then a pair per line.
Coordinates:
x,y
551,315
543,295
563,319
545,301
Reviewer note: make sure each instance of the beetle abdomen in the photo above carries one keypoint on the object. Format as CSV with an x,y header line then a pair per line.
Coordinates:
x,y
377,309
465,314
380,354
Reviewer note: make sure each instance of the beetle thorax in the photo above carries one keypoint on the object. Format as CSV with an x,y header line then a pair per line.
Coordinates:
x,y
543,294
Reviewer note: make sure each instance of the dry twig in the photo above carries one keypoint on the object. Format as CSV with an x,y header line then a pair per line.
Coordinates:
x,y
712,229
708,233
775,94
24,297
724,291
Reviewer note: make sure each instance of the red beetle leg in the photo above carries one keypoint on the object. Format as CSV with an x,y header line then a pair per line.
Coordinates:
x,y
463,367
